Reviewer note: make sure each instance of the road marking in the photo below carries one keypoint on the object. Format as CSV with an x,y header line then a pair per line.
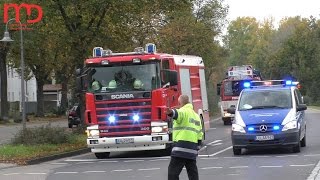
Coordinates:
x,y
159,160
94,171
270,166
260,156
85,162
35,173
209,158
121,170
288,156
9,174
315,173
232,157
216,141
80,160
233,174
149,169
235,167
312,155
134,161
221,151
215,144
108,161
212,168
59,163
66,172
301,165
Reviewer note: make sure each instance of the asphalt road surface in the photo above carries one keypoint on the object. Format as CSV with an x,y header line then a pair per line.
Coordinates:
x,y
215,162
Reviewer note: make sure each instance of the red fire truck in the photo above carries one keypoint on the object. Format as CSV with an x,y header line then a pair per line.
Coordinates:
x,y
126,95
229,89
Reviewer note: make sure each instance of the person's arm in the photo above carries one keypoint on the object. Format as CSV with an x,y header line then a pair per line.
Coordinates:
x,y
176,114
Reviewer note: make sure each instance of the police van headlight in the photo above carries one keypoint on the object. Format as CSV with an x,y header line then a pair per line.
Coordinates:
x,y
238,125
290,125
238,128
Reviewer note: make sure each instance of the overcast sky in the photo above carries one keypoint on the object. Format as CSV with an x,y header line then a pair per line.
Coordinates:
x,y
278,9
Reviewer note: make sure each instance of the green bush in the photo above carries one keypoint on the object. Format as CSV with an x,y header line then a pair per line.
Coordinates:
x,y
42,135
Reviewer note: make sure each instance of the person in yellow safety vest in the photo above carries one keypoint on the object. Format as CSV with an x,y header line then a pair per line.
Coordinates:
x,y
187,136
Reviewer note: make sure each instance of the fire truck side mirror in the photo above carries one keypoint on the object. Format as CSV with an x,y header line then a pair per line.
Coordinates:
x,y
169,76
218,89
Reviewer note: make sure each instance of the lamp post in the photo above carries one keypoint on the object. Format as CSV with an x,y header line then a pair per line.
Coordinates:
x,y
6,38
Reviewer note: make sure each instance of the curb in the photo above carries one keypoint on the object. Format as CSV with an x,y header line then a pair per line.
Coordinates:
x,y
57,156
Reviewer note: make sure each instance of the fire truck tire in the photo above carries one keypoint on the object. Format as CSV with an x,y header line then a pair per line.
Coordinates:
x,y
227,121
104,155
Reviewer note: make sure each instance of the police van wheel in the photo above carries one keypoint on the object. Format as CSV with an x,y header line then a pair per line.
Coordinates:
x,y
102,155
296,149
236,151
303,142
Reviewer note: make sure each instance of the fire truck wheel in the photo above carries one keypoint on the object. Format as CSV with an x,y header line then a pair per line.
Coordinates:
x,y
104,155
227,121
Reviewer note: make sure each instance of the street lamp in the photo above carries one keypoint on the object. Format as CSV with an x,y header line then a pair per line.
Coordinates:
x,y
6,38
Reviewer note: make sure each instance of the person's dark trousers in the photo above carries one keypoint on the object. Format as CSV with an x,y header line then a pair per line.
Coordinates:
x,y
176,165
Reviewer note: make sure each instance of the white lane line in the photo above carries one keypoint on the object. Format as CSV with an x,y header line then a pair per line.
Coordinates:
x,y
287,156
9,174
209,158
66,172
315,173
59,163
221,151
159,160
149,169
121,170
216,141
211,168
232,157
270,166
215,144
85,162
108,161
310,155
94,171
80,160
134,161
236,167
260,156
233,174
301,165
35,173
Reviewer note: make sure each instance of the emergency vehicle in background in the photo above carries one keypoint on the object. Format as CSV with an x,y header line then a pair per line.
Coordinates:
x,y
122,117
229,89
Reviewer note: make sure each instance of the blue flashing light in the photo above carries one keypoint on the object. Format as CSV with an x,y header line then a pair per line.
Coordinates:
x,y
112,119
136,117
97,52
246,84
276,127
250,128
288,82
151,48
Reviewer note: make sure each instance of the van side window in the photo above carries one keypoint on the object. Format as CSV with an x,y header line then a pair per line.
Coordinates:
x,y
298,97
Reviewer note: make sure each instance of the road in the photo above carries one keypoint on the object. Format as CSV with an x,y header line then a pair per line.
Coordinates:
x,y
221,163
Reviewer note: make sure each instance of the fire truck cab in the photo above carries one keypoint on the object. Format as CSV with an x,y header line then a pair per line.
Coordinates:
x,y
230,88
126,95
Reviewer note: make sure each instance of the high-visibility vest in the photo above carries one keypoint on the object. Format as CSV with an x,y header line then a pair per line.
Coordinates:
x,y
187,131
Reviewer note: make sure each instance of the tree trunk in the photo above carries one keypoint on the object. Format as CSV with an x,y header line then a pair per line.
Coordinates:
x,y
40,98
64,97
4,85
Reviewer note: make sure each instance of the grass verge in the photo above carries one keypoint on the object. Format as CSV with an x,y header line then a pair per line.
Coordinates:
x,y
314,107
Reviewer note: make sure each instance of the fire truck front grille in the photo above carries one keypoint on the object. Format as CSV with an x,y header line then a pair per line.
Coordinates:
x,y
116,118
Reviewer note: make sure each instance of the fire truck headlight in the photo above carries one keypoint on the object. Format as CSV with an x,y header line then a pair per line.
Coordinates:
x,y
112,119
156,129
136,117
93,133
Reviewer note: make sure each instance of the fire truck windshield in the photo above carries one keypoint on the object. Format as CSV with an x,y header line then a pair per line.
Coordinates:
x,y
124,78
233,88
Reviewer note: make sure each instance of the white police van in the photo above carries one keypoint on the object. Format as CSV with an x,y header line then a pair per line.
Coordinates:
x,y
269,114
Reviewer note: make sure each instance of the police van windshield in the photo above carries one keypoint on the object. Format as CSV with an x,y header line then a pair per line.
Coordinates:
x,y
265,99
126,77
233,88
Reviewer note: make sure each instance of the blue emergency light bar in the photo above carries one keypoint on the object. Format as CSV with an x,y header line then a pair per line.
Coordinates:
x,y
269,83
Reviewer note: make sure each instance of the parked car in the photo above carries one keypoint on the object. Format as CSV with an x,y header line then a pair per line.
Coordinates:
x,y
74,116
